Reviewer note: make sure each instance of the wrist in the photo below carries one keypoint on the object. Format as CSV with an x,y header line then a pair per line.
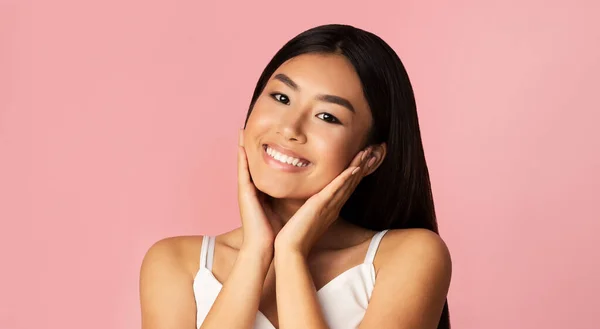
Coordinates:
x,y
260,255
283,256
285,249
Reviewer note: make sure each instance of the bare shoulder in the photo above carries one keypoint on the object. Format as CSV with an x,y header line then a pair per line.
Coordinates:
x,y
184,251
165,283
181,252
415,240
415,247
412,282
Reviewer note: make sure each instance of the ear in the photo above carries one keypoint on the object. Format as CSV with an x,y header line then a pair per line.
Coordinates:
x,y
379,152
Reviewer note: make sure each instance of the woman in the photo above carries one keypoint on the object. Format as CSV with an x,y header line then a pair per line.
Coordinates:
x,y
338,223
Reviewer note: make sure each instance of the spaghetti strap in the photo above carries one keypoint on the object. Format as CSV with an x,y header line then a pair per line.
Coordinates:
x,y
207,252
210,253
203,251
344,299
373,246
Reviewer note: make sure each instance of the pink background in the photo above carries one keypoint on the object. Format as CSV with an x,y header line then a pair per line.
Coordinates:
x,y
118,124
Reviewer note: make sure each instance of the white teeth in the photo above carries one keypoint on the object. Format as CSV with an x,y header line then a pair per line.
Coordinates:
x,y
284,158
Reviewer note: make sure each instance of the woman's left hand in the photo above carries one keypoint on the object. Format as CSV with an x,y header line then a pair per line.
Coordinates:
x,y
307,225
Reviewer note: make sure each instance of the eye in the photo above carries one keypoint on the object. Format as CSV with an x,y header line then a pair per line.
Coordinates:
x,y
328,118
281,98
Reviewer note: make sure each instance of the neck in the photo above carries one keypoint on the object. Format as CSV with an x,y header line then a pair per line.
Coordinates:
x,y
284,209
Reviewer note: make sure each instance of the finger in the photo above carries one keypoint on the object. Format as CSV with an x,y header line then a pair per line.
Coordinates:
x,y
361,159
344,192
358,158
330,194
325,196
363,167
241,137
363,162
334,186
243,172
243,175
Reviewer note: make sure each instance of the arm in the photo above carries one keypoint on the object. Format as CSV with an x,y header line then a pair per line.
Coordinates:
x,y
166,290
412,283
296,293
167,298
237,303
410,292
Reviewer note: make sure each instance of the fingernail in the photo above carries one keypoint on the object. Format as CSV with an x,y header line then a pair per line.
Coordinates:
x,y
365,154
371,162
355,170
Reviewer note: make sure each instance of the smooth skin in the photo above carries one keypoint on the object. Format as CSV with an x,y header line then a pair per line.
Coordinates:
x,y
291,241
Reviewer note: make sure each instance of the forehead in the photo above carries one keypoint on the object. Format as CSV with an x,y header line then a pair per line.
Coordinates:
x,y
331,74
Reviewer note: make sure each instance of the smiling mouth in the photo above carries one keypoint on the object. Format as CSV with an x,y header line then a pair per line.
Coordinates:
x,y
285,159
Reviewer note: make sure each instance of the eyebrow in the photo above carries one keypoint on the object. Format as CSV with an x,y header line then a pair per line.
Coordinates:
x,y
325,98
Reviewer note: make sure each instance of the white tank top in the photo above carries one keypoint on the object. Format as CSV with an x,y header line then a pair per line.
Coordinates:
x,y
344,299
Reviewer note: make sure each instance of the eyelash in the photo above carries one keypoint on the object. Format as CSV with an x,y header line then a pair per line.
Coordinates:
x,y
333,120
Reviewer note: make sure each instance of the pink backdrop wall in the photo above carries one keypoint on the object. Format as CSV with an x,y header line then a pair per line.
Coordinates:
x,y
118,127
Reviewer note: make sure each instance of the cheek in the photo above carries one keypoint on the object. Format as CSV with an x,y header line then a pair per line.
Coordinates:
x,y
259,123
263,114
334,157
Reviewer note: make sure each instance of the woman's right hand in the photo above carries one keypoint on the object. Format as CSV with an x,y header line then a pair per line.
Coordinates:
x,y
258,220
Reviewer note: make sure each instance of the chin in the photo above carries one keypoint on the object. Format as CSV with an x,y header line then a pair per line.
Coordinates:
x,y
280,190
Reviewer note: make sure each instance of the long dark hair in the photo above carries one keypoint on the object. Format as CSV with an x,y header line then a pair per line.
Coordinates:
x,y
398,194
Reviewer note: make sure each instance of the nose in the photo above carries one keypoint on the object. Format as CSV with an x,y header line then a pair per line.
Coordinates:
x,y
291,127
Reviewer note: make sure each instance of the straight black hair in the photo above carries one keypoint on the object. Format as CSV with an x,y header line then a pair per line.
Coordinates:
x,y
398,194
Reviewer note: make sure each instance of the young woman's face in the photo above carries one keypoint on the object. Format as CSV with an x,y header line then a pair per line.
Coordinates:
x,y
307,125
